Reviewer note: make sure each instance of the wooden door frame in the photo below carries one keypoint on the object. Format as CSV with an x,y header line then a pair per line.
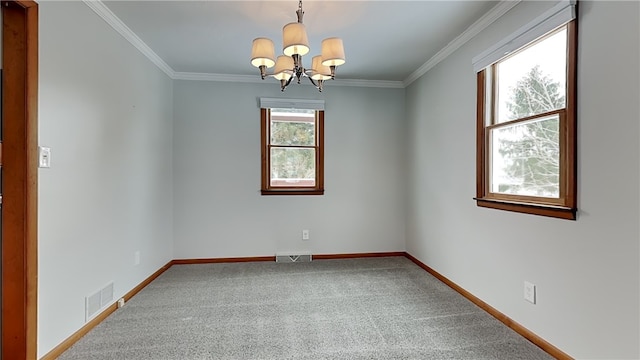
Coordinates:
x,y
20,180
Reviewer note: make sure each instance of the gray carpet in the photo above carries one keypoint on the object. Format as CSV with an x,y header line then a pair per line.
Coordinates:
x,y
376,308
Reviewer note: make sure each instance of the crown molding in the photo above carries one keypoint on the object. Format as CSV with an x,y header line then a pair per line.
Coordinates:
x,y
107,15
216,77
110,18
257,79
487,19
367,83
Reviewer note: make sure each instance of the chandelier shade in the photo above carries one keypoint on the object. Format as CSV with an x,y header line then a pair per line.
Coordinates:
x,y
295,44
332,52
263,53
319,71
294,39
283,69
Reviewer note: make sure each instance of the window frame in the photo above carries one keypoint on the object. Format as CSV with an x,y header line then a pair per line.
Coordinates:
x,y
564,207
265,130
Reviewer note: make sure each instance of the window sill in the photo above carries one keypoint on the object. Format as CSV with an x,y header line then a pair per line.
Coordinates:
x,y
559,212
293,192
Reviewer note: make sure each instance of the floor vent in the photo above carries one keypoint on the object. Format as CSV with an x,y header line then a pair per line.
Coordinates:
x,y
96,301
291,258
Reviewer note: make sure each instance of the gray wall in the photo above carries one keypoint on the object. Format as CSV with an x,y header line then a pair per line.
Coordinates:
x,y
172,169
106,112
586,271
218,210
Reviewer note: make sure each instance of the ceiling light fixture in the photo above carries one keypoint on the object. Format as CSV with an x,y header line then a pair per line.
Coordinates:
x,y
294,45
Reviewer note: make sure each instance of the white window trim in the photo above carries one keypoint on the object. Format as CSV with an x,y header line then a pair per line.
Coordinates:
x,y
279,103
560,14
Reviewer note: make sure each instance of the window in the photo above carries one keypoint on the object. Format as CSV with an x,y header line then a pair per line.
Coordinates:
x,y
526,119
292,151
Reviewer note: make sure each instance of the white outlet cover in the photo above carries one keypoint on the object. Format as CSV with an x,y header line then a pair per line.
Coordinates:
x,y
530,292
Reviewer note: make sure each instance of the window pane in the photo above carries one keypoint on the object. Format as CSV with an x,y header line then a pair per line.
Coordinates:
x,y
293,167
525,158
293,127
533,81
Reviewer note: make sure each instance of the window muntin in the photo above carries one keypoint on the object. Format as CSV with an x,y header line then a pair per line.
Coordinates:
x,y
526,128
292,154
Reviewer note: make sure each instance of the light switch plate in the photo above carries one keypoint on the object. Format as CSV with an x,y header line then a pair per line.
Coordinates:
x,y
44,157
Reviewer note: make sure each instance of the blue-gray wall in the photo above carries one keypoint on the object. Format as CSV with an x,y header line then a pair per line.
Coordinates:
x,y
586,271
219,211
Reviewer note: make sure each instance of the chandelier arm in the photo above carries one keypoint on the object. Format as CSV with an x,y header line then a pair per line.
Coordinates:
x,y
318,85
284,83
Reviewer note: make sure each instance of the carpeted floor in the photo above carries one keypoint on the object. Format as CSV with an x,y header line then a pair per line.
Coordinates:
x,y
375,308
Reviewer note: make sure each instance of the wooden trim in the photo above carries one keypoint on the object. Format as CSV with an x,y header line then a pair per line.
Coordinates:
x,y
320,161
494,94
357,255
264,146
290,191
298,119
68,342
563,207
571,121
25,3
20,180
273,258
534,209
222,260
147,281
526,119
480,161
311,147
528,201
526,333
265,180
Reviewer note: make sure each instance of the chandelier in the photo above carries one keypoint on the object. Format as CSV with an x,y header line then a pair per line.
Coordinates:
x,y
294,45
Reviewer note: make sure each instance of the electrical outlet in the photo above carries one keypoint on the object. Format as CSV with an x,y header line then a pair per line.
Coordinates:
x,y
529,292
305,234
136,258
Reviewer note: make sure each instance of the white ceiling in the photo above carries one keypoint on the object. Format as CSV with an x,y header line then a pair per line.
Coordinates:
x,y
384,40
